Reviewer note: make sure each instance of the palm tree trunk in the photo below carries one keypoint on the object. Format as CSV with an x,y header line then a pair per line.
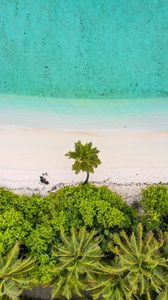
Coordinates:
x,y
87,178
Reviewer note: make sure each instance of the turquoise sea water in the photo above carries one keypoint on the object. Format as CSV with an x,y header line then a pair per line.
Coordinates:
x,y
103,62
84,48
83,114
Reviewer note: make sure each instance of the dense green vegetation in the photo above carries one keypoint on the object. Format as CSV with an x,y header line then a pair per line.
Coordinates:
x,y
85,241
155,205
37,221
137,271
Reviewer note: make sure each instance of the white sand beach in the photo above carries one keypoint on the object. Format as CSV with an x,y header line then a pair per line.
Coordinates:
x,y
128,157
44,149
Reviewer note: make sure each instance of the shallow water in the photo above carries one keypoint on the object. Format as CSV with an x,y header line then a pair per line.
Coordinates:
x,y
83,114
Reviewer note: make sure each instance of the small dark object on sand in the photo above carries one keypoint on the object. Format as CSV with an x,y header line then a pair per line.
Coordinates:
x,y
43,180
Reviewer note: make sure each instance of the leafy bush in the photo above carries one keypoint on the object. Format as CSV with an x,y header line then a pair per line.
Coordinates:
x,y
13,227
27,219
7,199
155,205
94,207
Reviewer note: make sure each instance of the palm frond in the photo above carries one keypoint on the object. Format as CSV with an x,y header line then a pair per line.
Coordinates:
x,y
85,157
14,274
78,257
139,262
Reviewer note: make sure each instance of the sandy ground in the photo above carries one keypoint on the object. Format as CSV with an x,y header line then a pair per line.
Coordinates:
x,y
130,159
44,149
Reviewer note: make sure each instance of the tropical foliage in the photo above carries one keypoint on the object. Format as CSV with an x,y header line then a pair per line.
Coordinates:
x,y
82,241
138,271
37,221
163,295
86,158
155,205
14,274
78,257
94,207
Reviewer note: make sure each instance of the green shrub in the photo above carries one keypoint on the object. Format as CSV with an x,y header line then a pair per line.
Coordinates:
x,y
155,205
94,207
7,198
27,219
13,227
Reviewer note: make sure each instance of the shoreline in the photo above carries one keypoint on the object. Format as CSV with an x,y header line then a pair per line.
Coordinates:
x,y
126,182
86,114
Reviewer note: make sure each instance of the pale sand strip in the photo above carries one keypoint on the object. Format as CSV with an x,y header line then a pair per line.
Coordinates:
x,y
39,149
127,156
127,182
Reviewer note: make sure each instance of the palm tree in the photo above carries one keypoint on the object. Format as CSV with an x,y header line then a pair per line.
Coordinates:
x,y
109,286
78,258
86,158
140,263
14,274
138,270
